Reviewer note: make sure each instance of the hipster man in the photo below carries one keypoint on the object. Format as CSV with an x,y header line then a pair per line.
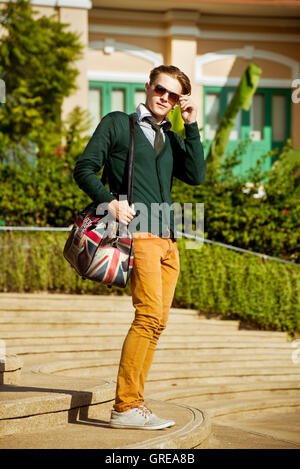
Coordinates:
x,y
160,155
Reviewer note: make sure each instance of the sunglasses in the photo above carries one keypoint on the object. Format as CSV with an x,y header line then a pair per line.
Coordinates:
x,y
173,98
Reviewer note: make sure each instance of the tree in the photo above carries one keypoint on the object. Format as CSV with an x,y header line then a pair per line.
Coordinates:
x,y
177,122
37,64
241,99
37,149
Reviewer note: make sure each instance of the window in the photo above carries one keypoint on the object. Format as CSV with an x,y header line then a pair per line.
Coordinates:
x,y
257,117
278,117
212,109
118,99
139,97
267,123
105,97
94,107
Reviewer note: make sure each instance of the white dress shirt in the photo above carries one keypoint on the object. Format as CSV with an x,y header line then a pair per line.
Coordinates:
x,y
142,112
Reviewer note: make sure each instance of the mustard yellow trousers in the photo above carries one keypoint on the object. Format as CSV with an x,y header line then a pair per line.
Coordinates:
x,y
153,281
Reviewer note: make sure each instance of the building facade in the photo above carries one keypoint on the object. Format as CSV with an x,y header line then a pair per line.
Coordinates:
x,y
211,41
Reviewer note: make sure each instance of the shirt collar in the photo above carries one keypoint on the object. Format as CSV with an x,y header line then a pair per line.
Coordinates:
x,y
142,112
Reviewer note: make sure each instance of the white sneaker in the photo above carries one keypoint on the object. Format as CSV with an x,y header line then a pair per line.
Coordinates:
x,y
138,417
155,420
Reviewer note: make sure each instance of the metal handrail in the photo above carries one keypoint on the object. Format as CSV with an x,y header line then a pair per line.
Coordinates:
x,y
196,238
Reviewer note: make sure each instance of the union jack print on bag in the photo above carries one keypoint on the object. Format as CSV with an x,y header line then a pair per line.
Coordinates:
x,y
95,250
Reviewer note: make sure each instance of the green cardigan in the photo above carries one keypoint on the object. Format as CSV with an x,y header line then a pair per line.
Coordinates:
x,y
153,174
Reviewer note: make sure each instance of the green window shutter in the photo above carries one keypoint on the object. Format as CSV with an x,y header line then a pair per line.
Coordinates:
x,y
105,97
267,123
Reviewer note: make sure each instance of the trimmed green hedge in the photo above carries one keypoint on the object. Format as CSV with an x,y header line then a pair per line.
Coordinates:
x,y
214,280
263,293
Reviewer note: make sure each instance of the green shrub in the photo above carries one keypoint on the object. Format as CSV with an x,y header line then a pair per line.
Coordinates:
x,y
213,279
38,149
268,225
264,293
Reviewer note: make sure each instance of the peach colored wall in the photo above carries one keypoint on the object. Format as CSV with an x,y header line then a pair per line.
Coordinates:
x,y
287,49
254,28
44,10
235,68
182,54
155,44
78,22
296,124
117,61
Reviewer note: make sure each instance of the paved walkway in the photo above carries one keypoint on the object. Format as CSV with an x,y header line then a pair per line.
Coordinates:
x,y
225,387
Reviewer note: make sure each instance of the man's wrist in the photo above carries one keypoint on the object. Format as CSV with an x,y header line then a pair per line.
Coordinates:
x,y
187,122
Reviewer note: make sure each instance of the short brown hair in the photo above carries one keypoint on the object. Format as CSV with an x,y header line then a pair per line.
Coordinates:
x,y
174,72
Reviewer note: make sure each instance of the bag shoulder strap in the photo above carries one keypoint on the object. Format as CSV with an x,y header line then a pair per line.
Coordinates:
x,y
131,155
131,158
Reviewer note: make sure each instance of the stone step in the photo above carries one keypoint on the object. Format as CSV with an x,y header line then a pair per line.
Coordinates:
x,y
218,376
88,428
241,409
105,366
86,320
194,333
115,338
229,388
168,388
228,407
43,300
10,369
70,346
116,343
99,366
162,358
184,435
273,431
49,407
118,321
7,323
167,355
72,303
41,407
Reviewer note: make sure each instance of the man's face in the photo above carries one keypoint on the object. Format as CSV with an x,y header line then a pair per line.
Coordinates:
x,y
161,104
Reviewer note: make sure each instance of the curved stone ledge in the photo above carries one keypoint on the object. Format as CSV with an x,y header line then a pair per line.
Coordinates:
x,y
70,344
51,407
10,369
194,433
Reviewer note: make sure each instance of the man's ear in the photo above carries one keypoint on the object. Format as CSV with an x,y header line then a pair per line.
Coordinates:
x,y
147,86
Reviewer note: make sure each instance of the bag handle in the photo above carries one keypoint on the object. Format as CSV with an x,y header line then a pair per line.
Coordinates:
x,y
131,157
